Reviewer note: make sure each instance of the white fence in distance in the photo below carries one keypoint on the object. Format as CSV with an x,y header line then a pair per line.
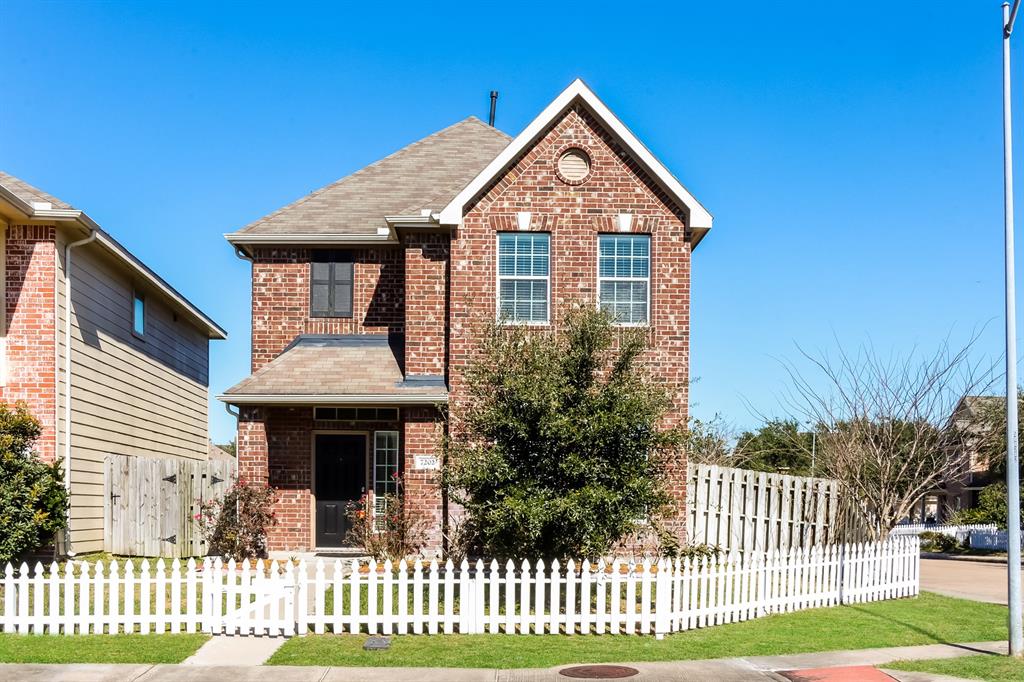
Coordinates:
x,y
741,509
427,598
960,532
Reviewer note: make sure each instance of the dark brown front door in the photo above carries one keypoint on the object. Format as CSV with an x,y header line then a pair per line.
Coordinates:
x,y
340,481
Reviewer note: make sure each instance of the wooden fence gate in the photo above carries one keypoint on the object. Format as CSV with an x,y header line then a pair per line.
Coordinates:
x,y
150,504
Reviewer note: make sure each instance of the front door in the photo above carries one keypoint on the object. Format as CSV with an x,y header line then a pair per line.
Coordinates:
x,y
340,481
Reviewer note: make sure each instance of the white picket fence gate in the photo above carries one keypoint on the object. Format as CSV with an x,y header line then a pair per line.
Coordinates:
x,y
350,597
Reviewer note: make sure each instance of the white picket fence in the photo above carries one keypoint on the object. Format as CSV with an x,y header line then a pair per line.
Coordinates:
x,y
959,531
352,596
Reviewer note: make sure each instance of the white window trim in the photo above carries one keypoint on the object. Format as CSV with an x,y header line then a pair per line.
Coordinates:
x,y
647,279
498,277
398,464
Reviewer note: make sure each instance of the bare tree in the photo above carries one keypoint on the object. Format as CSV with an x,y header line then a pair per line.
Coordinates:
x,y
711,442
884,425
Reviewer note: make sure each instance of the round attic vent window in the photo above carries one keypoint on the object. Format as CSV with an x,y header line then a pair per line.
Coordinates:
x,y
574,166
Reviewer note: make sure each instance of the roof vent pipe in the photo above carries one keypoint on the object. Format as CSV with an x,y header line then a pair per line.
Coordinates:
x,y
494,104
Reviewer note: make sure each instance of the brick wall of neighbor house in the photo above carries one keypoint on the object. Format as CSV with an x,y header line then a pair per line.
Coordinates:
x,y
574,216
31,333
280,298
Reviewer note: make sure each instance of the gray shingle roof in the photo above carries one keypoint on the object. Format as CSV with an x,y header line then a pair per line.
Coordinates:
x,y
363,365
28,193
424,175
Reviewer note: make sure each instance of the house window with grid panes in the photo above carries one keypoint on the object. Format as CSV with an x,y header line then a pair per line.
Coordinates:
x,y
330,286
385,468
624,277
523,277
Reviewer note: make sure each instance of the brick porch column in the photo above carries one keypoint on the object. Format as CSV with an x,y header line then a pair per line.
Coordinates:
x,y
421,436
251,444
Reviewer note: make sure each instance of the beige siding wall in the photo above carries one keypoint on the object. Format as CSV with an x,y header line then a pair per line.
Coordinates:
x,y
131,396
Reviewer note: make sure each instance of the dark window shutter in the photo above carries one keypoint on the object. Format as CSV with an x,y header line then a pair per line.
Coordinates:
x,y
331,283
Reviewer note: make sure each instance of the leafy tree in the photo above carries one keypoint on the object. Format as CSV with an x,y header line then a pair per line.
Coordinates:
x,y
557,450
33,499
777,446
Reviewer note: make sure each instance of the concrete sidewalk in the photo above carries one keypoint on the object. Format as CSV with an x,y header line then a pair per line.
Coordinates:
x,y
725,670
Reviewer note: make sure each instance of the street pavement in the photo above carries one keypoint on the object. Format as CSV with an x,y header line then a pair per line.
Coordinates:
x,y
832,665
976,580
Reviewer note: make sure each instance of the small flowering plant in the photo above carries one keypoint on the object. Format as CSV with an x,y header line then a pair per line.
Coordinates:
x,y
385,526
235,526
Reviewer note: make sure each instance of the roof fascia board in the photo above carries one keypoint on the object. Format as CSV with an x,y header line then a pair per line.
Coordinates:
x,y
384,236
303,399
698,217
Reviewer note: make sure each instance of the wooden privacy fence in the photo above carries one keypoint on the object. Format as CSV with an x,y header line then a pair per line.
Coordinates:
x,y
428,598
150,505
740,509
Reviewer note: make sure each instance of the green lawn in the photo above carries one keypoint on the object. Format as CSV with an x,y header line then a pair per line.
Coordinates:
x,y
98,648
984,667
927,619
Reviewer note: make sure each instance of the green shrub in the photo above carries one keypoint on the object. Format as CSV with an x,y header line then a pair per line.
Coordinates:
x,y
33,499
938,542
394,534
235,526
558,449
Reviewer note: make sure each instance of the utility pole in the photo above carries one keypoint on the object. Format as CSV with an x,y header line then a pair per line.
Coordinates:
x,y
1012,455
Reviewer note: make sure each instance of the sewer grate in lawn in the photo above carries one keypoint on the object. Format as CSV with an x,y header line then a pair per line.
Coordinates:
x,y
598,672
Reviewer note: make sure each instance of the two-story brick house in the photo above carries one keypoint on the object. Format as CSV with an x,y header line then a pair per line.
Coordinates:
x,y
365,292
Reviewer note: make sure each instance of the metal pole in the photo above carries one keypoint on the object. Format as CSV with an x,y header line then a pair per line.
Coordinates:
x,y
1012,471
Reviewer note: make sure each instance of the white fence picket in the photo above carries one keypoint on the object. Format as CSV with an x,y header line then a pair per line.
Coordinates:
x,y
649,598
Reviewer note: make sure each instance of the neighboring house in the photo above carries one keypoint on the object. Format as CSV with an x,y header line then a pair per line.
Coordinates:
x,y
366,292
139,361
217,452
962,492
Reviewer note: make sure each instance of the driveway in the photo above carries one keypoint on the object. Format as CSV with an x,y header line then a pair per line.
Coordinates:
x,y
965,579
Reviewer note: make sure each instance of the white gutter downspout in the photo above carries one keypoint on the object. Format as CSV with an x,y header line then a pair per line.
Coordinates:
x,y
67,378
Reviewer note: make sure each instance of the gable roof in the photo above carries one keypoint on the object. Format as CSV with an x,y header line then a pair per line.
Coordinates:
x,y
697,217
32,203
424,175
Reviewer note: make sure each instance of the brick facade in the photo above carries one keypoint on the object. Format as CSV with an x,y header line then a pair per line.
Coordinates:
x,y
434,287
31,271
275,446
574,215
280,298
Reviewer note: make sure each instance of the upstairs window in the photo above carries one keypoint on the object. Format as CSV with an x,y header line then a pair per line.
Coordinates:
x,y
523,277
330,288
138,314
624,277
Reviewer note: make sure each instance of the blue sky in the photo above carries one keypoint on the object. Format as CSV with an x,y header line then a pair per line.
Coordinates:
x,y
851,153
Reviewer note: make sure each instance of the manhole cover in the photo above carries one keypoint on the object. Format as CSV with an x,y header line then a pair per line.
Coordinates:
x,y
598,672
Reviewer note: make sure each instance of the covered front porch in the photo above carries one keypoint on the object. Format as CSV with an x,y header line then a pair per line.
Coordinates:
x,y
329,421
